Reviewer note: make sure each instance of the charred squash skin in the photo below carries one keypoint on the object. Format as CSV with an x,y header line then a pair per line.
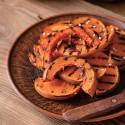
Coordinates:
x,y
88,77
110,80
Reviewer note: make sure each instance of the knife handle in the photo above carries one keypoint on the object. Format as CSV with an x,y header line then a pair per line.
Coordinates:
x,y
95,108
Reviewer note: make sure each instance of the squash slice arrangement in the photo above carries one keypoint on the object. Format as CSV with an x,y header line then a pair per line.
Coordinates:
x,y
81,55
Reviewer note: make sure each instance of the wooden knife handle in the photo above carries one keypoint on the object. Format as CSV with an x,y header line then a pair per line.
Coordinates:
x,y
95,108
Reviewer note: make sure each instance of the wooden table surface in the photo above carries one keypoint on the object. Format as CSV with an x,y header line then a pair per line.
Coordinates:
x,y
117,7
15,17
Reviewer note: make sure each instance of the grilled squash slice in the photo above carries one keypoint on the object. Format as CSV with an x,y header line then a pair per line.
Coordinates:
x,y
98,30
55,89
110,80
117,52
37,57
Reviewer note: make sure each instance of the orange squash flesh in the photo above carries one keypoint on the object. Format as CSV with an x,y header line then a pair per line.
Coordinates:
x,y
88,85
116,48
100,72
71,75
59,65
89,45
74,76
109,81
55,89
111,32
65,36
96,26
49,33
117,52
87,35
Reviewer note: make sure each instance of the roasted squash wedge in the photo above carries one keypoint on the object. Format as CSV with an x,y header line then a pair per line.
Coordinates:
x,y
97,28
50,31
109,81
117,51
55,89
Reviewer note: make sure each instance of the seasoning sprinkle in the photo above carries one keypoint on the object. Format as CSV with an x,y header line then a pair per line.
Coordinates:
x,y
44,34
87,22
80,24
48,34
100,38
93,35
93,26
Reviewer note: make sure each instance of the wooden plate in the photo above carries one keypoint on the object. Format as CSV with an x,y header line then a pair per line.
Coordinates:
x,y
23,73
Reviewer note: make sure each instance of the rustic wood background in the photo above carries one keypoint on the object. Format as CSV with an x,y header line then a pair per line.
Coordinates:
x,y
15,17
117,7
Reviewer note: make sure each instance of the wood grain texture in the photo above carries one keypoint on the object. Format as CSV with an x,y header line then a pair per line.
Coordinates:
x,y
15,17
95,108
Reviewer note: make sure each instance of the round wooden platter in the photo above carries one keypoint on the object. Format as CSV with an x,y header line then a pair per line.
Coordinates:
x,y
23,73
